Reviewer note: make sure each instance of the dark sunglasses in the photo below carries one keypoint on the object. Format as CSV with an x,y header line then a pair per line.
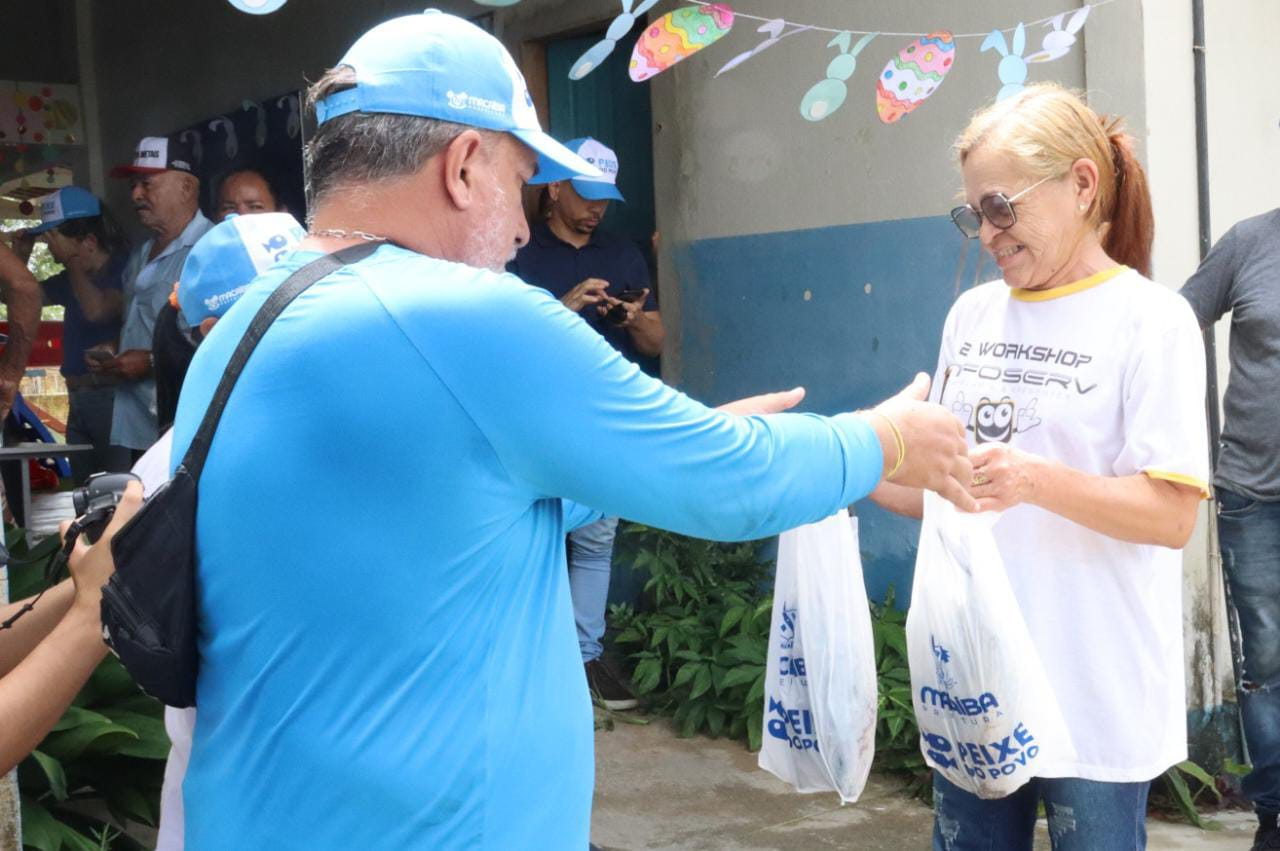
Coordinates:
x,y
996,208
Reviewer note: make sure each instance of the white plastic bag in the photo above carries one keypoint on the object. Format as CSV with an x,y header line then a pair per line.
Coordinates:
x,y
989,719
820,679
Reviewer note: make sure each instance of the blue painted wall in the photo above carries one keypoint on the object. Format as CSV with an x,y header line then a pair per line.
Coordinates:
x,y
747,328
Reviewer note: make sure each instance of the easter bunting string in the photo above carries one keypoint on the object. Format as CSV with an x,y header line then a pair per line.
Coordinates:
x,y
911,75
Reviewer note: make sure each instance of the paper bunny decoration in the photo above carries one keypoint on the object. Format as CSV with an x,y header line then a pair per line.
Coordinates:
x,y
1058,41
1013,68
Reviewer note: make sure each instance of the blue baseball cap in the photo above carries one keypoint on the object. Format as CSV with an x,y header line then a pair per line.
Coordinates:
x,y
228,257
604,187
69,202
440,66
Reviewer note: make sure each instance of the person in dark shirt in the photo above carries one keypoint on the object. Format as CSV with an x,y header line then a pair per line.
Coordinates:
x,y
84,237
604,279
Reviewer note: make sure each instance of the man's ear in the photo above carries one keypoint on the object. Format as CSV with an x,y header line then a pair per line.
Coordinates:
x,y
206,325
553,191
462,161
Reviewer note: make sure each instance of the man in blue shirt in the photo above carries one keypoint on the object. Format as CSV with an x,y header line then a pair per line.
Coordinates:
x,y
603,278
86,240
400,670
165,193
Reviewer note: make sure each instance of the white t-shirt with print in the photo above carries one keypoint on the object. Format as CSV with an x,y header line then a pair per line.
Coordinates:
x,y
1106,375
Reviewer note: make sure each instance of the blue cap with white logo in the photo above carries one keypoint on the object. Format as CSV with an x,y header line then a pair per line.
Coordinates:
x,y
604,187
440,66
69,202
228,257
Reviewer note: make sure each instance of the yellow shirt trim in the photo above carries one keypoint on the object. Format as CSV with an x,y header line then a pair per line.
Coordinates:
x,y
1190,481
1067,289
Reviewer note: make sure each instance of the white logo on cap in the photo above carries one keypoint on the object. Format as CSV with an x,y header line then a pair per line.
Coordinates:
x,y
51,207
462,100
214,302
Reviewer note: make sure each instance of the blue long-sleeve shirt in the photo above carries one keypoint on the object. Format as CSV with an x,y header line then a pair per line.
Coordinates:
x,y
387,647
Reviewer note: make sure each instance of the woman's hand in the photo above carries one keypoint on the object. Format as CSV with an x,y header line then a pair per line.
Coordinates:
x,y
92,566
1003,476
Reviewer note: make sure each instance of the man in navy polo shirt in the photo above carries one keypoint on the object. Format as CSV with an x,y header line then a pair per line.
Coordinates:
x,y
603,278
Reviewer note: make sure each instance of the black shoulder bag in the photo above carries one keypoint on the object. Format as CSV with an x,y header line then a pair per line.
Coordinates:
x,y
149,604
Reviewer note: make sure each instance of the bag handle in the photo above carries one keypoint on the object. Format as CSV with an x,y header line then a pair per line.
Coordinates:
x,y
293,286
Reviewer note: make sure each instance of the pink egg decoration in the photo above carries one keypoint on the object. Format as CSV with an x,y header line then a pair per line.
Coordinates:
x,y
676,36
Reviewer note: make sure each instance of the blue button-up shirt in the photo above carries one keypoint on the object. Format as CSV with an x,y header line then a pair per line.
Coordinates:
x,y
147,284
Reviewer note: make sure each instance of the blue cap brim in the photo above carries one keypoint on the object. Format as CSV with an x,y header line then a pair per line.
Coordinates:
x,y
596,190
555,161
39,229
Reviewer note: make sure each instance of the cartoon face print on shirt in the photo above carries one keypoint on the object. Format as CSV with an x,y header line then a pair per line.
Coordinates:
x,y
995,420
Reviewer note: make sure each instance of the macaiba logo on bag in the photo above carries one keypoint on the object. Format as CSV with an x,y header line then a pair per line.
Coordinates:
x,y
793,726
789,665
942,699
788,627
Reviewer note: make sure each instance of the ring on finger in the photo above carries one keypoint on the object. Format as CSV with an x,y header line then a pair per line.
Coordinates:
x,y
980,478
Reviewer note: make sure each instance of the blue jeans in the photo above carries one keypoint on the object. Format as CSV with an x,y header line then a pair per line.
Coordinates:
x,y
89,421
1249,535
590,562
1084,815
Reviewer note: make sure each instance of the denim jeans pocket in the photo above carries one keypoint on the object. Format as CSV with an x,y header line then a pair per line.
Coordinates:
x,y
1233,506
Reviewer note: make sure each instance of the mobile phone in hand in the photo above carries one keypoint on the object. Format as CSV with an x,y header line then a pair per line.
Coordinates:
x,y
99,355
629,295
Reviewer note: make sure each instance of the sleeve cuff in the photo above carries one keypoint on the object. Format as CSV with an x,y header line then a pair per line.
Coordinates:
x,y
1190,481
863,457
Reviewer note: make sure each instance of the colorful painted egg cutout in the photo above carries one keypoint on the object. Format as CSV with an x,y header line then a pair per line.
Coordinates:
x,y
913,75
676,36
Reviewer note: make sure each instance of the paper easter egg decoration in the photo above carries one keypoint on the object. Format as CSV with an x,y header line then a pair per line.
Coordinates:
x,y
914,74
676,36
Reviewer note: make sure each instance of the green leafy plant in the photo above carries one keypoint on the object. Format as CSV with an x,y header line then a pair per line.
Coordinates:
x,y
1187,800
897,736
106,753
700,645
699,648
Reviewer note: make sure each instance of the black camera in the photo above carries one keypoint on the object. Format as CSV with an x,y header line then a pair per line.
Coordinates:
x,y
96,501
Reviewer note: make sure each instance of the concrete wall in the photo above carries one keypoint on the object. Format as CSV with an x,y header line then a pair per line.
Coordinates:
x,y
820,253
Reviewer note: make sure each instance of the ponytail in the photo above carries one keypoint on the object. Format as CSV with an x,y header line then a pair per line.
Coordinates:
x,y
1130,227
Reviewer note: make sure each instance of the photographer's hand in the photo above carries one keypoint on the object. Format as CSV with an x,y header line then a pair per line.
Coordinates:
x,y
37,692
92,566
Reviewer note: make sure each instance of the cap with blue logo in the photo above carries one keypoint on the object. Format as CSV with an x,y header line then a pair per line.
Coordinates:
x,y
69,202
440,66
227,258
605,187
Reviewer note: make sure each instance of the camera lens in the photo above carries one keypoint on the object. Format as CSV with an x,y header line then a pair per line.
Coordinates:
x,y
617,314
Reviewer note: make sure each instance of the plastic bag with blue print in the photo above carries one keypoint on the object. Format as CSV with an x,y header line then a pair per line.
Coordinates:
x,y
820,678
989,719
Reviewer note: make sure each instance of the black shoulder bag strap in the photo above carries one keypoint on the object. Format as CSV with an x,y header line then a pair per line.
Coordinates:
x,y
149,606
294,286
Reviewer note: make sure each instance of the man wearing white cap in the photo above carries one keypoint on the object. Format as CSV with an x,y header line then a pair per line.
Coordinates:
x,y
604,279
165,193
386,643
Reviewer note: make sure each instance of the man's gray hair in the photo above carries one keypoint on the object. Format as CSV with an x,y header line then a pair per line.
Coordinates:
x,y
359,148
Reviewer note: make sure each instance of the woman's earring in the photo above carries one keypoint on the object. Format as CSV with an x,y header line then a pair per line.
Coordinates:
x,y
1084,207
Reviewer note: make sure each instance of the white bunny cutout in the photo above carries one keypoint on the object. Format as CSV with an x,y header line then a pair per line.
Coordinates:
x,y
1058,41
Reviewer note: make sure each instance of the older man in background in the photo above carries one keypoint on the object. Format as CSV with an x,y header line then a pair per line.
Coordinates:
x,y
165,193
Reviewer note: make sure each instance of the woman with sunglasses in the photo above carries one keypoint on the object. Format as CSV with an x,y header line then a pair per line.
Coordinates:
x,y
1081,384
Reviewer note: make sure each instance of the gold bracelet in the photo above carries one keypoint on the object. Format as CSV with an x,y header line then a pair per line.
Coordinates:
x,y
898,440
